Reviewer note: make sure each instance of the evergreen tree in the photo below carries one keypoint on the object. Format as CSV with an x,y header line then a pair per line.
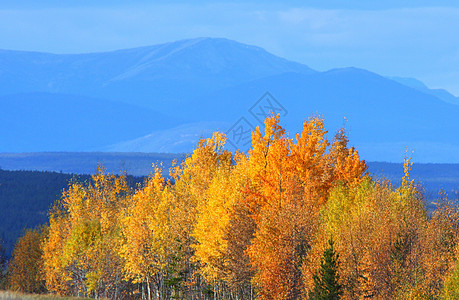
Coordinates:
x,y
326,286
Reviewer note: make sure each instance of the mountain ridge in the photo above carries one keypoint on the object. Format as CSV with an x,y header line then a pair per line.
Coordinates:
x,y
419,85
203,80
45,121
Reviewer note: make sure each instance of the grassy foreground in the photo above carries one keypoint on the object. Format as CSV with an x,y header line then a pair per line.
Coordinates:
x,y
8,295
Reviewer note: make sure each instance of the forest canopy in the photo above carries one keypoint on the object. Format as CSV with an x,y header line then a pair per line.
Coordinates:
x,y
269,224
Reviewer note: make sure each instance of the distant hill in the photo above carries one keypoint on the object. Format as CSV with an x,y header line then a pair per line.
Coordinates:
x,y
136,164
180,139
383,116
46,122
27,196
439,93
433,176
162,98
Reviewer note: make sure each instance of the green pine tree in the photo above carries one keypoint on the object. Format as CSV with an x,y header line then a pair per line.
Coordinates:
x,y
326,286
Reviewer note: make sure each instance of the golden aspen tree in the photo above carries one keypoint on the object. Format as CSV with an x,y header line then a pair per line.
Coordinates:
x,y
439,243
191,181
271,249
344,161
237,227
260,164
54,270
145,232
309,155
238,270
24,273
407,273
224,231
450,288
285,200
80,254
278,250
213,220
360,221
378,233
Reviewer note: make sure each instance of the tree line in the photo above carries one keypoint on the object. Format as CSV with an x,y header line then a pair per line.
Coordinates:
x,y
294,218
26,197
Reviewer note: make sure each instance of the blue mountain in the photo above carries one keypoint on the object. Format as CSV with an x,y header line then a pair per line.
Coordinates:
x,y
34,122
158,77
416,84
383,116
163,97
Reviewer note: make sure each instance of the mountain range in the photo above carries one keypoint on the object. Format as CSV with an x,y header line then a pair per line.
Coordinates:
x,y
162,98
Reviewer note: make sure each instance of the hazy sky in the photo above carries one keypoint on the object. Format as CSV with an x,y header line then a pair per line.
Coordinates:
x,y
395,38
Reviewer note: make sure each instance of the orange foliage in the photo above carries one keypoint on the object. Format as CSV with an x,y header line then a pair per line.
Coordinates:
x,y
24,272
246,225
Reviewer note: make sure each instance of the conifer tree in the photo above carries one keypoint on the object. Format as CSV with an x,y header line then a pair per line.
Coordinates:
x,y
326,286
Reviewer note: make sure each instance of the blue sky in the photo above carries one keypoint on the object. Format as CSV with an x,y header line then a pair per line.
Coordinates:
x,y
394,38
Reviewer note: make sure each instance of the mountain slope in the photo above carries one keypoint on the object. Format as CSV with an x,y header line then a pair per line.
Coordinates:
x,y
194,83
47,122
158,77
383,116
180,139
439,93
